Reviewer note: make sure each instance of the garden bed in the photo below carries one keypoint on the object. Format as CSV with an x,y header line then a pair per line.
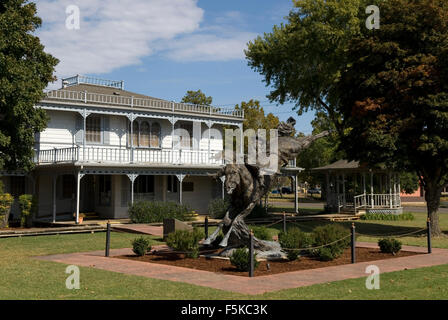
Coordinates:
x,y
224,266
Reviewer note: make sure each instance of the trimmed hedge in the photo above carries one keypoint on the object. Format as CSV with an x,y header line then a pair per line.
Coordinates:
x,y
156,211
6,201
262,233
28,206
388,217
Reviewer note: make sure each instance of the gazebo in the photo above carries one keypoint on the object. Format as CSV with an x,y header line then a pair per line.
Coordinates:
x,y
351,187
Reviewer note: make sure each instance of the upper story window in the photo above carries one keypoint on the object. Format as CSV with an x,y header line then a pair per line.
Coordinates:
x,y
146,134
93,129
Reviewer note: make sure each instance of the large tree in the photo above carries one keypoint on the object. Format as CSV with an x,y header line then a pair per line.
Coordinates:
x,y
197,97
394,95
384,90
25,71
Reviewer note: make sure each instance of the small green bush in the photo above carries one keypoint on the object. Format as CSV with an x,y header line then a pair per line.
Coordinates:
x,y
156,211
240,259
217,208
325,254
294,239
28,207
389,246
262,233
6,201
329,233
186,241
141,246
388,217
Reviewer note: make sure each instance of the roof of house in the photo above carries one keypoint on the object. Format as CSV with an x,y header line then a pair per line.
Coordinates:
x,y
345,165
91,88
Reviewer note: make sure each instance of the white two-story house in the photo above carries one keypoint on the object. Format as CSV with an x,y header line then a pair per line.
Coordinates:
x,y
105,148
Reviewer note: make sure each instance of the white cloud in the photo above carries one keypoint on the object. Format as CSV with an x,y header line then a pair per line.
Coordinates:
x,y
119,33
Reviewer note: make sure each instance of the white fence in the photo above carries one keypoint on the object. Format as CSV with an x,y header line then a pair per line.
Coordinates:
x,y
372,201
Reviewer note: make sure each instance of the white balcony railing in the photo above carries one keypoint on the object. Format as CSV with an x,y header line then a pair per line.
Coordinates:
x,y
127,156
97,98
372,201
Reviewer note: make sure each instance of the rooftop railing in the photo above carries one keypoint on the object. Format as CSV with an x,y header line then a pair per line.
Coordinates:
x,y
126,101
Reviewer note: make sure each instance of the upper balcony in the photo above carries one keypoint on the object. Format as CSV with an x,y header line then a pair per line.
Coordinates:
x,y
93,91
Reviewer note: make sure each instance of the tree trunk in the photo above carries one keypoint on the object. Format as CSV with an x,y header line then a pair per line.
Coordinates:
x,y
432,197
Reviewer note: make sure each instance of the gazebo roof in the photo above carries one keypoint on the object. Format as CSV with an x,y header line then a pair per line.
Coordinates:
x,y
345,165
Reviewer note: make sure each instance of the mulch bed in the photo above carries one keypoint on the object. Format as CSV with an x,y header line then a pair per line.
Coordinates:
x,y
224,266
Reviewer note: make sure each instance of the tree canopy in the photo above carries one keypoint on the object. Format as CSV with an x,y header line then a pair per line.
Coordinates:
x,y
25,71
197,97
384,90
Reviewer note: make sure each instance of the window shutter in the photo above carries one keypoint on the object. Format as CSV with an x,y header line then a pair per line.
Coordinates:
x,y
106,130
79,128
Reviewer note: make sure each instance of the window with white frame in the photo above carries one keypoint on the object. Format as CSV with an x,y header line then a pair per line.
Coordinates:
x,y
93,129
145,134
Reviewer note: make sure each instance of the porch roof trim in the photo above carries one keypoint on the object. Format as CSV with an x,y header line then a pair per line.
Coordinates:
x,y
345,165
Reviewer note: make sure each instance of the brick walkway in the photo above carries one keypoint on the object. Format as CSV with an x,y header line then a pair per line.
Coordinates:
x,y
245,285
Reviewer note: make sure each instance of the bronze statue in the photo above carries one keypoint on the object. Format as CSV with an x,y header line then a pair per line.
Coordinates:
x,y
246,186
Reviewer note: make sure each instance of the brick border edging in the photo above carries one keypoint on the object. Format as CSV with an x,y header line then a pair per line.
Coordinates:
x,y
246,285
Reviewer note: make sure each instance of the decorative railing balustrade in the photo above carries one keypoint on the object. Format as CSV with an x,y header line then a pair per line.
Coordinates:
x,y
98,98
372,201
127,156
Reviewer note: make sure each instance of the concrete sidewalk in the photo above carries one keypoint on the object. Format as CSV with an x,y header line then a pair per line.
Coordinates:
x,y
245,285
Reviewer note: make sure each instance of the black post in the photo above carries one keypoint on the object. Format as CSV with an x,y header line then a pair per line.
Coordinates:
x,y
251,254
284,222
206,227
428,224
353,243
108,239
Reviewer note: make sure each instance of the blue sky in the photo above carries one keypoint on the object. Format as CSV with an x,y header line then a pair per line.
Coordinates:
x,y
163,48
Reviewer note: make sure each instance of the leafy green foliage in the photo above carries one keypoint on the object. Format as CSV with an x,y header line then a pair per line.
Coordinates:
x,y
186,241
389,246
390,217
197,97
25,71
409,182
262,233
241,260
294,238
324,235
140,246
258,211
217,208
156,211
28,207
6,201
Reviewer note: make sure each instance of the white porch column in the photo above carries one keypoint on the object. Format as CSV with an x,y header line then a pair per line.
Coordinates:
x,y
209,124
180,177
343,189
371,190
84,118
241,140
399,190
132,178
395,190
79,176
55,177
223,186
131,120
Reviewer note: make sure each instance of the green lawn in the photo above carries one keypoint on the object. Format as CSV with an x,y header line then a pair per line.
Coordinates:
x,y
22,277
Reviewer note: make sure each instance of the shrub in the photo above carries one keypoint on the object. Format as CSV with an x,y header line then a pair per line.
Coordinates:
x,y
262,233
389,246
141,246
28,206
388,217
327,234
156,211
6,201
294,239
217,208
186,241
240,259
325,254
